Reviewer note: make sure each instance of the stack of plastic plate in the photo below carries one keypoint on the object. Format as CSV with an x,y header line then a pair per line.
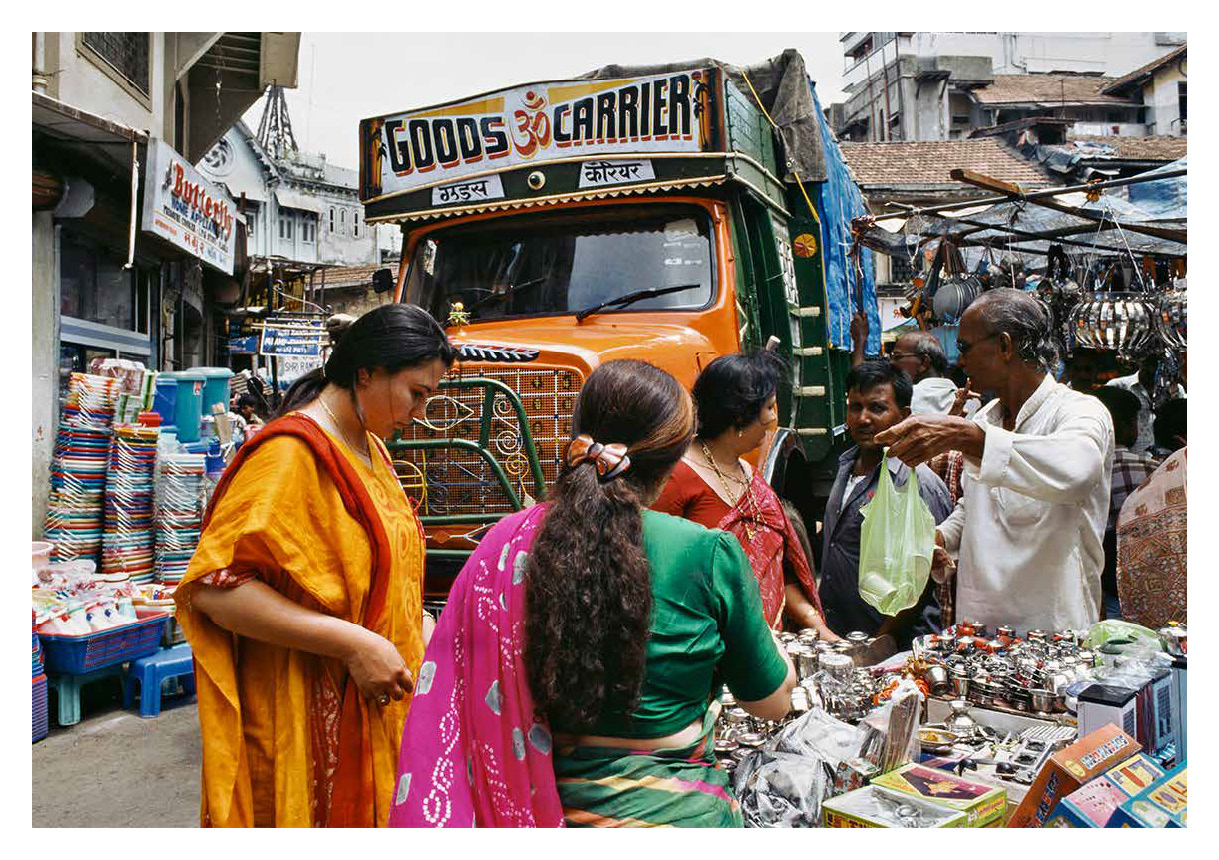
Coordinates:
x,y
78,481
129,541
179,513
90,401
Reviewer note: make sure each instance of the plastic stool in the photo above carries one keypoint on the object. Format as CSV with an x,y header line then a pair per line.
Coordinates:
x,y
68,688
151,671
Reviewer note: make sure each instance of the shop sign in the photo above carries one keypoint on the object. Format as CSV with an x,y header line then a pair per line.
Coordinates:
x,y
292,368
288,337
532,125
185,209
247,345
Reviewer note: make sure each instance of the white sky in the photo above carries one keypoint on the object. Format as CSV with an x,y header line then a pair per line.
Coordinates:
x,y
361,75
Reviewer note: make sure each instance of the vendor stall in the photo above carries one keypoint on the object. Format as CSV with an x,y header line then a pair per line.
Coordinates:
x,y
966,730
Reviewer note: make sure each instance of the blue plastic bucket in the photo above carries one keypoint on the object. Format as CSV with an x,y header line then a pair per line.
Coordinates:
x,y
215,387
188,408
166,396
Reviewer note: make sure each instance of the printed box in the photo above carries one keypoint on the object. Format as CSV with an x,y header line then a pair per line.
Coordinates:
x,y
1164,804
1068,769
981,804
872,806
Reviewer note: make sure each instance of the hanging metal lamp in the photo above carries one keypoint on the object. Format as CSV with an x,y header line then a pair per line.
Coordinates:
x,y
1170,317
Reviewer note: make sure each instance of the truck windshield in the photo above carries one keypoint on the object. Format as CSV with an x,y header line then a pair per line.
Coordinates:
x,y
525,265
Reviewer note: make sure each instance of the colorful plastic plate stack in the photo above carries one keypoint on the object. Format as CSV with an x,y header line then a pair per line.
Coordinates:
x,y
179,513
78,481
90,401
129,541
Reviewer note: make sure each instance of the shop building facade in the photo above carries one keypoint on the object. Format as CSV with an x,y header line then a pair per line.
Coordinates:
x,y
106,280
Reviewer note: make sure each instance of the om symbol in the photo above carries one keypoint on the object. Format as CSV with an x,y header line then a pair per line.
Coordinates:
x,y
533,124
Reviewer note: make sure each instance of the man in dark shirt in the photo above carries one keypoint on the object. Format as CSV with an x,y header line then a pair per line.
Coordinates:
x,y
878,396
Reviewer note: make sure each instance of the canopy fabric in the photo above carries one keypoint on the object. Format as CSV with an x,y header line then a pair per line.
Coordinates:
x,y
1002,226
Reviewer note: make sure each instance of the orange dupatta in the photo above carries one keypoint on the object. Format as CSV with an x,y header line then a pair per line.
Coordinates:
x,y
350,794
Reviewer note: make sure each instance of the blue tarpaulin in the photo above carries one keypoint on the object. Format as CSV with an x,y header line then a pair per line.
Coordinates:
x,y
838,200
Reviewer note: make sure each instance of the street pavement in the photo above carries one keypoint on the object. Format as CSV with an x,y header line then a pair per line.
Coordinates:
x,y
115,769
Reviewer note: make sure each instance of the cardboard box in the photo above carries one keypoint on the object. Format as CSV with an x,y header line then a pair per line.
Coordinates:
x,y
981,804
870,807
1135,775
1164,804
1094,804
1090,806
1069,768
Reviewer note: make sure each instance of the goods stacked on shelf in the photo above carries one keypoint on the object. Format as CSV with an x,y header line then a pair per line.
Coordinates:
x,y
78,468
129,539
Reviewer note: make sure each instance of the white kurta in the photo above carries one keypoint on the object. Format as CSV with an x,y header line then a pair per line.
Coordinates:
x,y
1029,525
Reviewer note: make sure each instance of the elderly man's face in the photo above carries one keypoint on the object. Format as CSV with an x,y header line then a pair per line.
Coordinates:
x,y
979,352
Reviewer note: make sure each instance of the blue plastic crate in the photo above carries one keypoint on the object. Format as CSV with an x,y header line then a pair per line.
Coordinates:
x,y
41,714
75,655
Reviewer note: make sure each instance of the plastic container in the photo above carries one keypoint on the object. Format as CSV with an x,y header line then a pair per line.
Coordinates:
x,y
76,655
215,387
188,404
164,401
40,554
42,722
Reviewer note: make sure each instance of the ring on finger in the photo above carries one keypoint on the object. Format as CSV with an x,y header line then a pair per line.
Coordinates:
x,y
383,699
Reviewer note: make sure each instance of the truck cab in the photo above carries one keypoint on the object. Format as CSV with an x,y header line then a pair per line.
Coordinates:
x,y
555,226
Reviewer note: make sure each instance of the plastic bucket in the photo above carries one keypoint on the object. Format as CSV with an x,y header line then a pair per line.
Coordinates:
x,y
165,399
188,404
215,387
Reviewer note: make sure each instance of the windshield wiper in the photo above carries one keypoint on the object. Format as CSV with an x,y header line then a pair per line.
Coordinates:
x,y
631,298
506,293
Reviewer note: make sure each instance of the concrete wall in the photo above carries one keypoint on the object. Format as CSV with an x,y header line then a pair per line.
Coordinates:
x,y
1105,129
1161,96
80,78
45,362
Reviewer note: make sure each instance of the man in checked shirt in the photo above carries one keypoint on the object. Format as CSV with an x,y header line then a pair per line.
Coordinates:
x,y
1129,471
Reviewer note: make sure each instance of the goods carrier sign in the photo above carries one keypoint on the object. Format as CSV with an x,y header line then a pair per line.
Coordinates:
x,y
459,148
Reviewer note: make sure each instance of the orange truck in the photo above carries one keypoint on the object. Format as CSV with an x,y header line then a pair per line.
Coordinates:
x,y
654,213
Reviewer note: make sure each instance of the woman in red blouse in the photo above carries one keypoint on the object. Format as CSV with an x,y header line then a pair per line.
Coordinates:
x,y
713,486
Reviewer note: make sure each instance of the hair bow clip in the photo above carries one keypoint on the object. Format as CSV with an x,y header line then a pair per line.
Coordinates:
x,y
611,460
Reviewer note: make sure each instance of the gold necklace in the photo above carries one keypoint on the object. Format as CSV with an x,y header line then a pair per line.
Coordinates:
x,y
367,455
746,496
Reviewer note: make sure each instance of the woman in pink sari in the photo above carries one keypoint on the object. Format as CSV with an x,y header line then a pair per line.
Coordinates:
x,y
735,396
572,676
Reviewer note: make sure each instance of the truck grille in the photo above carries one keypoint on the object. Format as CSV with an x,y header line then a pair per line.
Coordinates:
x,y
453,481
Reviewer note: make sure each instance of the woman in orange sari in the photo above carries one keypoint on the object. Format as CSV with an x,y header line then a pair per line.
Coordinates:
x,y
712,485
302,603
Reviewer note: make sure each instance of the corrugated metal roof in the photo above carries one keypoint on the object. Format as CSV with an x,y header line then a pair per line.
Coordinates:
x,y
929,164
1048,90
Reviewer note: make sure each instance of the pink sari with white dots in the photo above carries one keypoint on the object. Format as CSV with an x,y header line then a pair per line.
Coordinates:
x,y
473,754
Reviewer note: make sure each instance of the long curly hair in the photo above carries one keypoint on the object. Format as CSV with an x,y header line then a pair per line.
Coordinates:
x,y
588,580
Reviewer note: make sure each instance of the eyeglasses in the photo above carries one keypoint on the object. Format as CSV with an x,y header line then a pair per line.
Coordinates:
x,y
964,348
898,356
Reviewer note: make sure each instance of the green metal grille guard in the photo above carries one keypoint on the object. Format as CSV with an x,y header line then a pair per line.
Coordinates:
x,y
491,388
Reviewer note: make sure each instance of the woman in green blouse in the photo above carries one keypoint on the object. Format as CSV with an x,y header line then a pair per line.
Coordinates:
x,y
573,673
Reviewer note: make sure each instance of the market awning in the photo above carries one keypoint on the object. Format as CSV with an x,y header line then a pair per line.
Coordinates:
x,y
1117,223
293,200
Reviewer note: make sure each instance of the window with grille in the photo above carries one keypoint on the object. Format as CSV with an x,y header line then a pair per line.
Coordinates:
x,y
285,226
355,225
308,228
900,270
331,219
126,52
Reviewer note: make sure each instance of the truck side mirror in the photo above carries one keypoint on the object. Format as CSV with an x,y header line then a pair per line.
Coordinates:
x,y
382,280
